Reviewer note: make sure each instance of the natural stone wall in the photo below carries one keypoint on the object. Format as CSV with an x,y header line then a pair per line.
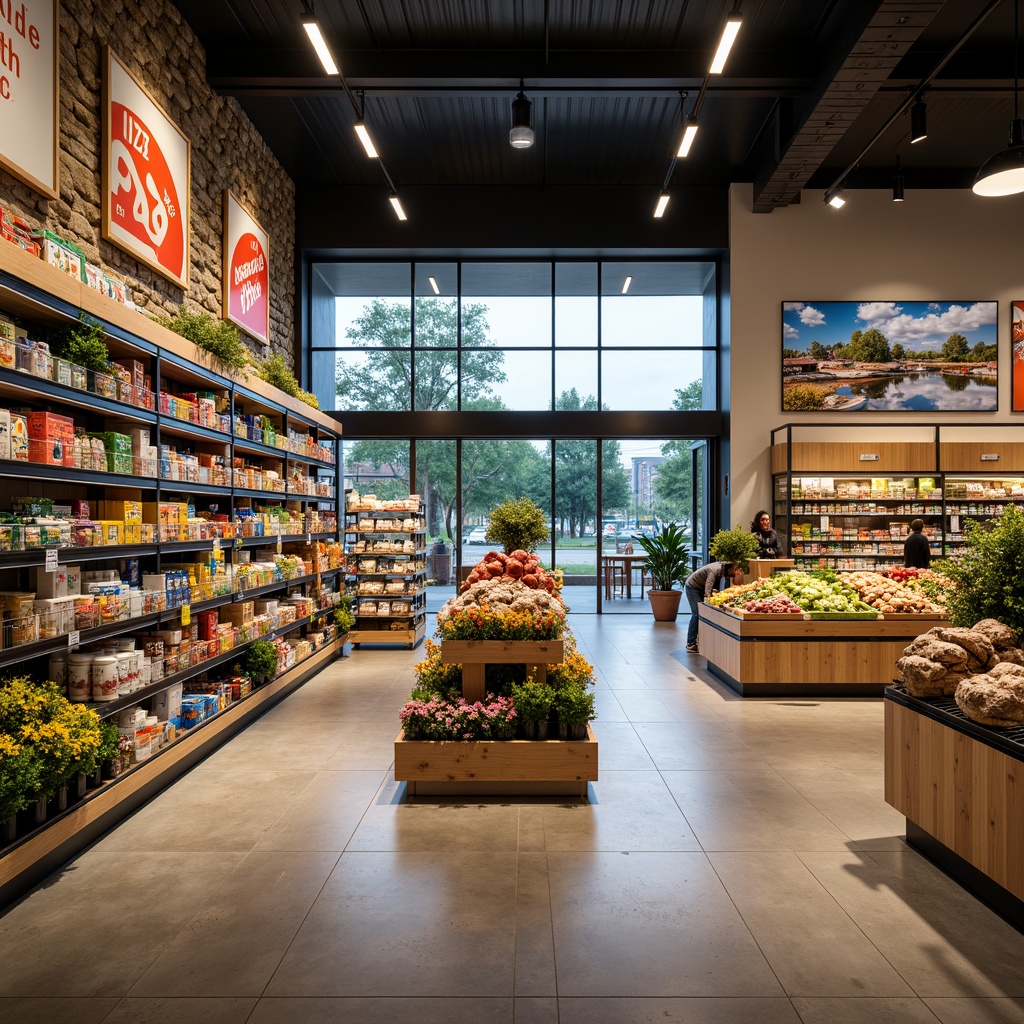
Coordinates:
x,y
153,40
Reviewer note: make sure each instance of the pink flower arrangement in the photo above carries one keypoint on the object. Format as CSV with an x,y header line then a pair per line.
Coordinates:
x,y
437,719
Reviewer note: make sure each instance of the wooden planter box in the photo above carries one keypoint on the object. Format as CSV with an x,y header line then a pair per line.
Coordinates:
x,y
497,766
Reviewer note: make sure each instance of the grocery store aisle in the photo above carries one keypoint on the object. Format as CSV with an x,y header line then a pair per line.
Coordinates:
x,y
736,863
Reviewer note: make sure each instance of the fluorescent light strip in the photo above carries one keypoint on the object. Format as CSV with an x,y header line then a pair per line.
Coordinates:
x,y
689,134
433,284
364,138
399,212
729,33
627,283
320,45
659,210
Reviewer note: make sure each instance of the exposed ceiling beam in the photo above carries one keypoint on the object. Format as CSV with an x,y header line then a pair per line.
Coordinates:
x,y
873,56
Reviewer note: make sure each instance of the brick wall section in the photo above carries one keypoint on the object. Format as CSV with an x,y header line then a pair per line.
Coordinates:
x,y
156,44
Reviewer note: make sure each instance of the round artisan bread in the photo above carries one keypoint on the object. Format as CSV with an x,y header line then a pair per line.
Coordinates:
x,y
994,701
999,635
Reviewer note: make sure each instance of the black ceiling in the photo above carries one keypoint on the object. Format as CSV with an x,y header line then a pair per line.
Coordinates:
x,y
809,86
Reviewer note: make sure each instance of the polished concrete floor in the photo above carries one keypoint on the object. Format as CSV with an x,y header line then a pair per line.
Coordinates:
x,y
735,863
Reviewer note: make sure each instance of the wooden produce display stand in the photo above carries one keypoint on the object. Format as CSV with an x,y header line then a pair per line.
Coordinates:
x,y
761,568
524,767
790,656
959,786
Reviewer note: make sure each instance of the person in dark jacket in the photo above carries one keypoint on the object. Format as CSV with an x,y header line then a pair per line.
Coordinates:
x,y
700,585
768,545
916,552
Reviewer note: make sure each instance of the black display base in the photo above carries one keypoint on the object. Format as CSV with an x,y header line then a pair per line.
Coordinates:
x,y
1002,901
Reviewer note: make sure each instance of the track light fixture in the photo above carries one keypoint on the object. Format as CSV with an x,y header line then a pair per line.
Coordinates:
x,y
897,183
834,196
729,32
689,134
397,206
521,134
312,27
364,137
918,122
1003,174
659,210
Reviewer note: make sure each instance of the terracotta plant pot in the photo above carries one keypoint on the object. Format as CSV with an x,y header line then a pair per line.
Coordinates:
x,y
665,604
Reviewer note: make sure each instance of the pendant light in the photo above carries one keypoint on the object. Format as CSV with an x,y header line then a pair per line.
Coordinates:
x,y
521,134
897,183
1003,174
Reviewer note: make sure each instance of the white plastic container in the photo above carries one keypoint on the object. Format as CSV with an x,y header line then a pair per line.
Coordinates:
x,y
105,678
79,677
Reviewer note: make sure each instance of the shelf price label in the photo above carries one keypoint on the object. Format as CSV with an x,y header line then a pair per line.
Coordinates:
x,y
73,638
186,614
51,560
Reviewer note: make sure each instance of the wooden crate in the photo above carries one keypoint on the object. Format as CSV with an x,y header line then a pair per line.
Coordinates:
x,y
497,766
475,655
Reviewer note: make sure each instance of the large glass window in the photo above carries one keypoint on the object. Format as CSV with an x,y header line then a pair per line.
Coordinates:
x,y
516,336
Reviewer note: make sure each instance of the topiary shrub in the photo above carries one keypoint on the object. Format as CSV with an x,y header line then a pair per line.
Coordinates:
x,y
517,525
737,545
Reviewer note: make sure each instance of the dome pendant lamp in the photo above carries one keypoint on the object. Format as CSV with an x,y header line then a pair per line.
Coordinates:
x,y
1003,174
521,134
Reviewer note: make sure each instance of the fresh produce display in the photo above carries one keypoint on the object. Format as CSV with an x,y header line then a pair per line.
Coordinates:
x,y
827,593
891,593
520,565
781,605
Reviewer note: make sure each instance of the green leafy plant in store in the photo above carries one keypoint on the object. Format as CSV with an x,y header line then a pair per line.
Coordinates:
x,y
532,700
261,662
517,525
217,337
277,372
985,575
737,545
342,614
83,343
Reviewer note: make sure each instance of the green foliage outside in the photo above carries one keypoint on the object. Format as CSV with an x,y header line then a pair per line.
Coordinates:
x,y
737,545
673,486
217,337
988,574
83,343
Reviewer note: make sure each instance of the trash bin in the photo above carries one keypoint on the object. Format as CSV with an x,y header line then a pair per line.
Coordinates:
x,y
440,562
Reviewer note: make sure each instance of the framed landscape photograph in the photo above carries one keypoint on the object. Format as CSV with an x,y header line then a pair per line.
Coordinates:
x,y
29,95
146,176
246,270
890,356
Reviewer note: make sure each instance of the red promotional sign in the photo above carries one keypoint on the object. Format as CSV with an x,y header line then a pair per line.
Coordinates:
x,y
143,197
249,285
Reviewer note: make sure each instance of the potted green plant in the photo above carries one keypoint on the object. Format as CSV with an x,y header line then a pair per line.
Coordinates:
x,y
217,337
574,705
83,344
517,525
737,545
342,615
532,702
261,662
667,562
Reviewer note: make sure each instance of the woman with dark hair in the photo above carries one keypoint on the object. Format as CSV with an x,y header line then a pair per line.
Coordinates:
x,y
767,539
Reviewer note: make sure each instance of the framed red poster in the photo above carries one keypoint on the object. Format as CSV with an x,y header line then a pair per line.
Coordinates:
x,y
146,176
246,270
29,96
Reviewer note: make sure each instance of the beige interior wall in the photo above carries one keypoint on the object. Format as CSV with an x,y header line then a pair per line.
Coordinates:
x,y
938,245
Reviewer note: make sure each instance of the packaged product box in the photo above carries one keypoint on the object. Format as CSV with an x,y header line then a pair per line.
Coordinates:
x,y
7,342
5,433
239,613
119,451
131,572
74,574
127,510
61,253
112,531
94,277
19,437
51,439
51,584
133,533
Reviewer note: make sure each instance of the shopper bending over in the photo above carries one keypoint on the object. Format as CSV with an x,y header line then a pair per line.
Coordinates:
x,y
767,539
916,552
700,585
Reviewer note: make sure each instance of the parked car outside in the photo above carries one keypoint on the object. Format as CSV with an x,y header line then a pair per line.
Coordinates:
x,y
478,535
